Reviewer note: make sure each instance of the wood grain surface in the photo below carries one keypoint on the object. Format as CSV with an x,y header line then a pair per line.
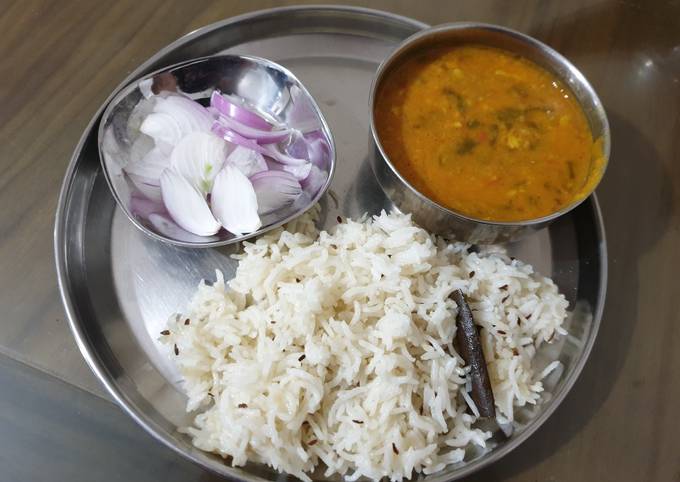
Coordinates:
x,y
60,59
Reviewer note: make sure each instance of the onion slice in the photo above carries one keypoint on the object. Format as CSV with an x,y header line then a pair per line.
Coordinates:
x,y
236,138
247,161
174,117
186,205
237,112
275,190
268,150
299,172
150,166
260,136
315,180
275,153
234,202
198,157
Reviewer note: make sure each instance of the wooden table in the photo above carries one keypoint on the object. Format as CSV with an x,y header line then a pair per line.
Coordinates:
x,y
60,59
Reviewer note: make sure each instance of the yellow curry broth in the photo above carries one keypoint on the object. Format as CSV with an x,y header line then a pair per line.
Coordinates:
x,y
485,133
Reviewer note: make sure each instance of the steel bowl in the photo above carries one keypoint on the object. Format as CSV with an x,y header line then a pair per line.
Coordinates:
x,y
265,86
448,222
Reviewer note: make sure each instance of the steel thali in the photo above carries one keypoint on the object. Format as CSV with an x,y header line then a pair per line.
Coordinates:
x,y
119,286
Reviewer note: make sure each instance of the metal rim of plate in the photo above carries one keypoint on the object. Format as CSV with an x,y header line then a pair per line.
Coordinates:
x,y
71,232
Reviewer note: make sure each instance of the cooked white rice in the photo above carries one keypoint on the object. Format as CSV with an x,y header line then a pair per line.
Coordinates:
x,y
335,348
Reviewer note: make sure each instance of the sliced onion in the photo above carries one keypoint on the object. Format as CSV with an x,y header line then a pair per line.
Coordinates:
x,y
275,190
247,161
299,172
186,205
234,202
312,146
236,138
238,113
174,117
260,136
318,149
198,157
150,166
297,146
164,129
314,181
301,112
275,153
190,115
268,150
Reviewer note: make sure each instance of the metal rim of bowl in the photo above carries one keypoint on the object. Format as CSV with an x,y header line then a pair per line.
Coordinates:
x,y
100,371
550,53
127,87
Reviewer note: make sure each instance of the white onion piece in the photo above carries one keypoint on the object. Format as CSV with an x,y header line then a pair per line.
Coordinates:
x,y
275,190
191,115
247,161
173,118
186,205
234,202
237,112
198,157
164,129
150,166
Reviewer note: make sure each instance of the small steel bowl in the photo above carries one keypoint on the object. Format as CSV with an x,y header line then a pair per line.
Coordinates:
x,y
447,222
265,86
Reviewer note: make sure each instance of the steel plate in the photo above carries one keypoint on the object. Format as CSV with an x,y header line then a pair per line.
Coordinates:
x,y
119,286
